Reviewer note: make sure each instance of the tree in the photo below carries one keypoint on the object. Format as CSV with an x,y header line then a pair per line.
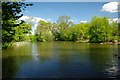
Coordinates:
x,y
43,31
42,26
80,31
100,29
0,23
22,32
63,19
64,22
119,32
11,12
63,31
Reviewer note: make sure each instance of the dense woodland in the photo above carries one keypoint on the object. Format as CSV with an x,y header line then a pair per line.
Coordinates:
x,y
98,30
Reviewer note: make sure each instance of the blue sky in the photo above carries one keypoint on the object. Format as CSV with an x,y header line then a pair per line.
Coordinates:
x,y
78,11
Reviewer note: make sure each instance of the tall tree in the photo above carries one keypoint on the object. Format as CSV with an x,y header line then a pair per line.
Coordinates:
x,y
11,12
64,21
43,31
80,31
100,29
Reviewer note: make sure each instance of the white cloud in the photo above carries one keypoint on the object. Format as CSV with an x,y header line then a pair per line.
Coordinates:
x,y
24,17
83,21
37,19
30,18
49,20
74,20
110,7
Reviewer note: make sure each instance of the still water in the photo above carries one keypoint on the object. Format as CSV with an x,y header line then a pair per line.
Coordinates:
x,y
60,60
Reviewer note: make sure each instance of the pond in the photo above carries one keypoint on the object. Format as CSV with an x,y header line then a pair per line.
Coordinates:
x,y
60,60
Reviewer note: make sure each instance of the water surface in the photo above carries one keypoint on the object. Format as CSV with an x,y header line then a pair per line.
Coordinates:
x,y
60,60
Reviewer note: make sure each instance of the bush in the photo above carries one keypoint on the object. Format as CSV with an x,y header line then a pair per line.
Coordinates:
x,y
45,36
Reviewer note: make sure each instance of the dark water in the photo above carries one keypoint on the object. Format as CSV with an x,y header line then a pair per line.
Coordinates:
x,y
60,60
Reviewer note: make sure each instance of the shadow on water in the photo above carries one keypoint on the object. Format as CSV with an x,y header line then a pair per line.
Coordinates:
x,y
103,60
118,61
60,59
11,65
13,58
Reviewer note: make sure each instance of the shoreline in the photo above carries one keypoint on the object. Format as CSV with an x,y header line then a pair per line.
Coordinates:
x,y
118,43
16,44
24,42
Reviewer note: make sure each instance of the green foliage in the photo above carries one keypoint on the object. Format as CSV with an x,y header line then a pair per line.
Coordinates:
x,y
115,29
80,31
22,32
45,36
64,22
99,30
62,30
65,34
43,32
33,38
11,12
118,29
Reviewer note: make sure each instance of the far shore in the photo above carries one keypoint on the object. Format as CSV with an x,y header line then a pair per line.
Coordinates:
x,y
112,43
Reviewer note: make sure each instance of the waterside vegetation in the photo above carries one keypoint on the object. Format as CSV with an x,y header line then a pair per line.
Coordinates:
x,y
98,30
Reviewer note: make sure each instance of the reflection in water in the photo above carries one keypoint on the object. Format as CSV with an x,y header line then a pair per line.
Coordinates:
x,y
119,61
60,59
0,68
44,51
13,58
104,58
112,70
35,53
72,60
9,67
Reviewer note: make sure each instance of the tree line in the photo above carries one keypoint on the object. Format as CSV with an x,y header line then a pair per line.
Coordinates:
x,y
99,29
